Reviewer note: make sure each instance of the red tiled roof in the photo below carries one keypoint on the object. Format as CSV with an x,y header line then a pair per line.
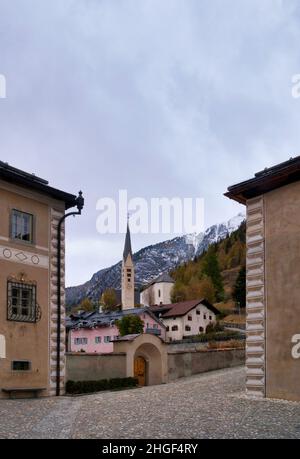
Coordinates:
x,y
182,308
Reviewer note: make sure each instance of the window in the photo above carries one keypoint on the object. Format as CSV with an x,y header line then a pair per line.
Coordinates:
x,y
187,328
175,328
98,339
210,317
190,317
168,329
201,329
107,339
22,226
204,317
21,365
159,293
21,302
79,341
198,312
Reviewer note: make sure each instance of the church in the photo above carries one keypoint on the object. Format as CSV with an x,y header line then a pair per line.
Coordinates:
x,y
96,332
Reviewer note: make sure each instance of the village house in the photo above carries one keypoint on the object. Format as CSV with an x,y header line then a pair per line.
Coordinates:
x,y
95,331
272,199
32,359
185,319
158,291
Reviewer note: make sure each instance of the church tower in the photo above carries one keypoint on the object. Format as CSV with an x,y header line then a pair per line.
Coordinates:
x,y
127,274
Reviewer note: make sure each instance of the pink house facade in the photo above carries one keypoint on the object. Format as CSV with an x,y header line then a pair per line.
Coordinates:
x,y
95,332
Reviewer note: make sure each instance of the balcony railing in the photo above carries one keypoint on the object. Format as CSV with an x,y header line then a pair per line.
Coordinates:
x,y
154,331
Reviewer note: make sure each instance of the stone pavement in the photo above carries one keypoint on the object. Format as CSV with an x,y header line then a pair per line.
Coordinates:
x,y
210,405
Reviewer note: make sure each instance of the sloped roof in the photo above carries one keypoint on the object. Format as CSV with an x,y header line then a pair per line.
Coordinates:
x,y
104,319
182,308
18,177
127,246
165,277
266,180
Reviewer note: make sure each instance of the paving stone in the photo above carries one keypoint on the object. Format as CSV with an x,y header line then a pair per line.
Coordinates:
x,y
210,405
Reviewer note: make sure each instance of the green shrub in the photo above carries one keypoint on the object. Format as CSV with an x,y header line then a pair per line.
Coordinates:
x,y
87,387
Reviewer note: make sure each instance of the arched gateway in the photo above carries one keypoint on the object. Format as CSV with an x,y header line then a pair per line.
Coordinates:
x,y
146,358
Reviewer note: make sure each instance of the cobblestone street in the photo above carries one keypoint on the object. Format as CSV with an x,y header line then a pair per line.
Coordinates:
x,y
211,405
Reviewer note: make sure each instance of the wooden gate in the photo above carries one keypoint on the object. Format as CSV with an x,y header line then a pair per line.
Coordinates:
x,y
140,370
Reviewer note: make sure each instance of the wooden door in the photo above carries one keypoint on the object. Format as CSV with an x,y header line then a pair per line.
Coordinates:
x,y
140,370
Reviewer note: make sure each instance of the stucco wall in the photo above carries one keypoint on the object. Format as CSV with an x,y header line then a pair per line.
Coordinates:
x,y
91,333
182,364
90,367
197,323
35,342
282,271
159,293
24,341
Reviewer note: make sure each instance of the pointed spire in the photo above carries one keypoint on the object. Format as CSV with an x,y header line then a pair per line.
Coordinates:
x,y
127,247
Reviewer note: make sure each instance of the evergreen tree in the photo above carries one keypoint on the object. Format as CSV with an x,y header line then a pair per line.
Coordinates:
x,y
211,269
239,291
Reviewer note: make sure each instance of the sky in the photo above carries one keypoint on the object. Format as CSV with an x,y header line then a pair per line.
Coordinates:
x,y
162,98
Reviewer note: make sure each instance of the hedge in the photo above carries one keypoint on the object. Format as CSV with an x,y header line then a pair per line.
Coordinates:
x,y
85,387
213,336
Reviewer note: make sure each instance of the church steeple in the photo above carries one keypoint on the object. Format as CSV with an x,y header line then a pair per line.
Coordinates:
x,y
127,274
127,248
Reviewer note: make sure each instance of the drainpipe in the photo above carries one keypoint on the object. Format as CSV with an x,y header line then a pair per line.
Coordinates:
x,y
79,203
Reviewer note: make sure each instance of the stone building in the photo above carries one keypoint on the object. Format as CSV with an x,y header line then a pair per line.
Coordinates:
x,y
272,199
30,211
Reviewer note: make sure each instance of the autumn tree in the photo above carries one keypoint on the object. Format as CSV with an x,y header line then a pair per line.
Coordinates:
x,y
178,292
207,289
109,300
86,305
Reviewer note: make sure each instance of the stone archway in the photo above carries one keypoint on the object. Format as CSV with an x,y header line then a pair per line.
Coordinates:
x,y
150,348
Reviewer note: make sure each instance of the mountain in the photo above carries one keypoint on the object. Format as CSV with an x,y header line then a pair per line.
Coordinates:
x,y
153,260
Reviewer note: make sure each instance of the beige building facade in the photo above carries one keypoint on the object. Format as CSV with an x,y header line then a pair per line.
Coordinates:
x,y
158,291
272,199
185,319
30,211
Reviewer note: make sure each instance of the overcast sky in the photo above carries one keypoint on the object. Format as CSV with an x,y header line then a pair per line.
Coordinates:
x,y
159,97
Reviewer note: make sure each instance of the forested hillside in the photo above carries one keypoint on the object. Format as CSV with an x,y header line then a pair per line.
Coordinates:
x,y
218,274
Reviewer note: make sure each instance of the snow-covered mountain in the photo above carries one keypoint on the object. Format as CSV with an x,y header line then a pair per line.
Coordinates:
x,y
153,260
